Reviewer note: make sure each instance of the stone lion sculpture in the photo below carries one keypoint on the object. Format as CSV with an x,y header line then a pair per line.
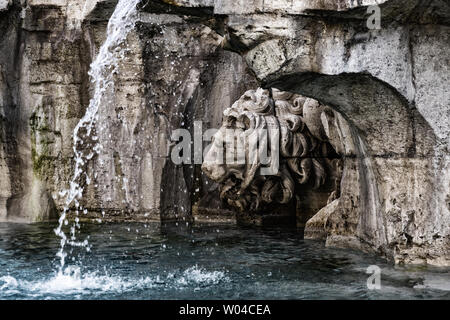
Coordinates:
x,y
302,153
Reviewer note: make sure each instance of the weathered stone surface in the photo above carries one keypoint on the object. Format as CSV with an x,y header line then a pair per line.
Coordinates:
x,y
316,226
288,6
171,75
4,4
386,83
387,92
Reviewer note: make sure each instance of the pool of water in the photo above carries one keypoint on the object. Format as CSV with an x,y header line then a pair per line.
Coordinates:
x,y
148,261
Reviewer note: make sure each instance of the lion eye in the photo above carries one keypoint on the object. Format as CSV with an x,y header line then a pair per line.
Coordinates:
x,y
246,122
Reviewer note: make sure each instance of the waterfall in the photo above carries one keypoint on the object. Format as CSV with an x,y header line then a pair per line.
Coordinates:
x,y
101,73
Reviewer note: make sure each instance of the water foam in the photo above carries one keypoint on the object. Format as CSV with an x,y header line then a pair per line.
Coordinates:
x,y
72,282
435,282
200,276
64,284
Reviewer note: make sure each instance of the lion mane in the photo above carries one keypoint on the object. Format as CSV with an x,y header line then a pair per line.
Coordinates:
x,y
301,154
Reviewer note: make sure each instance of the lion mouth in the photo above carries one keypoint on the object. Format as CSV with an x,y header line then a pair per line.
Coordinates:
x,y
231,189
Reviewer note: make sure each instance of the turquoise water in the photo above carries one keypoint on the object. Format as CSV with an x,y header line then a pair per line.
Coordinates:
x,y
147,261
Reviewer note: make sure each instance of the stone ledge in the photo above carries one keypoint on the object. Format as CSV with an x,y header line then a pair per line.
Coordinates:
x,y
316,226
216,216
57,3
288,6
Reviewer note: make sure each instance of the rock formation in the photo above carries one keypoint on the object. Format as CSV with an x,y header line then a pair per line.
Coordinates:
x,y
391,87
385,88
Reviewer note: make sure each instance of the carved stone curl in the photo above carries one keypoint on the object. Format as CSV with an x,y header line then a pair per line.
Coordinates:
x,y
303,156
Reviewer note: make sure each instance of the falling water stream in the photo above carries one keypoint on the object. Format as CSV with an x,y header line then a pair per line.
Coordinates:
x,y
101,72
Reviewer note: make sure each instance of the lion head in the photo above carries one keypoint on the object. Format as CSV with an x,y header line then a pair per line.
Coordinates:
x,y
289,142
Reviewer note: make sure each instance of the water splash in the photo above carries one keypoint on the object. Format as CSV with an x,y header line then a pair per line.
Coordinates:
x,y
101,72
199,276
72,282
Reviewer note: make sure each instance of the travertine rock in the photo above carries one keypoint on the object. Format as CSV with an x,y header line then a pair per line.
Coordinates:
x,y
288,6
387,92
172,75
391,86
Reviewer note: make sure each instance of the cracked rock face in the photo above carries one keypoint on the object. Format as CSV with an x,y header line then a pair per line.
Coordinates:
x,y
386,93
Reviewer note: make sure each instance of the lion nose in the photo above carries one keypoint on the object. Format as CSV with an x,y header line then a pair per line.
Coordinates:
x,y
213,171
206,169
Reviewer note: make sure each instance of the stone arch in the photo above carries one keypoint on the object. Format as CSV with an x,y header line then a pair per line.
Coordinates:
x,y
388,175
